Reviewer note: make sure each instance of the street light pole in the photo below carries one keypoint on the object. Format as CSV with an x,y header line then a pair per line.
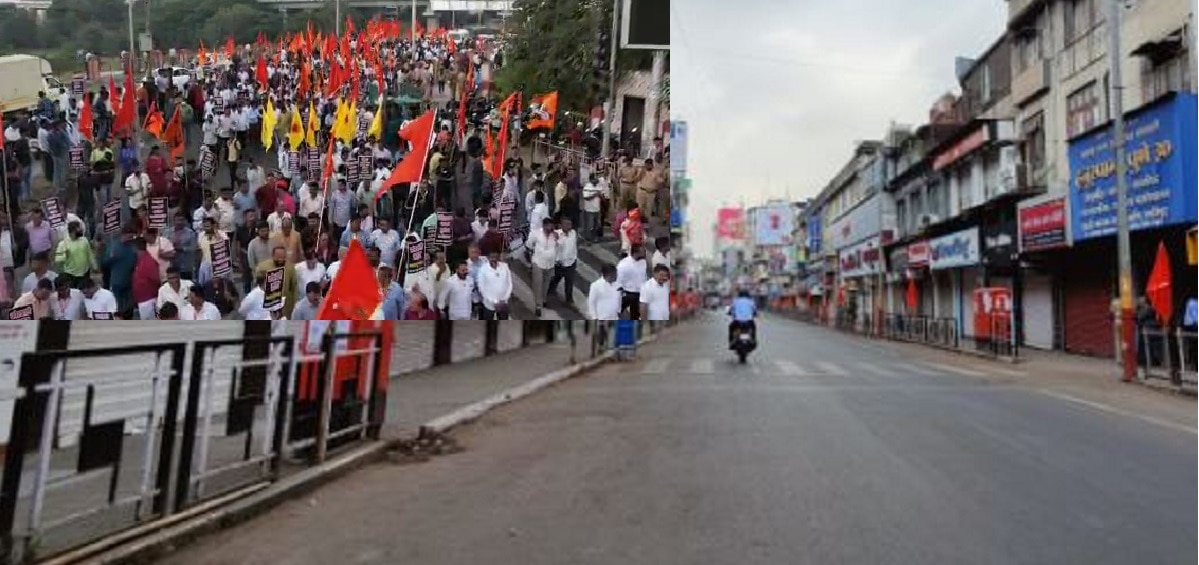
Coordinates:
x,y
610,104
1123,240
337,16
413,22
132,44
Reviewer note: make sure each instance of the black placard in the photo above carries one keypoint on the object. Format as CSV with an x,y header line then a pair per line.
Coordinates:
x,y
222,264
366,165
353,176
157,212
78,86
54,212
112,217
429,236
78,162
207,162
314,159
293,162
416,256
218,104
445,228
274,288
22,313
102,316
507,213
243,96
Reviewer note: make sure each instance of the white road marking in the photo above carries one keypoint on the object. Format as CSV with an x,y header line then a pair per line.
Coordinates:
x,y
790,369
831,369
875,370
702,366
1113,410
656,366
957,370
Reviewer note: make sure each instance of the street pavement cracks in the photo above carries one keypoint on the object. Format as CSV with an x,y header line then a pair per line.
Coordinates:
x,y
801,456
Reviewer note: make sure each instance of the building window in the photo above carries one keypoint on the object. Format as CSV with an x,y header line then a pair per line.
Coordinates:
x,y
1028,50
1032,131
1085,109
901,216
1081,16
1170,75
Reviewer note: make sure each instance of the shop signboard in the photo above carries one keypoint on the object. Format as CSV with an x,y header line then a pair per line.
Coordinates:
x,y
773,225
1043,226
999,241
1161,171
861,259
919,254
858,224
958,249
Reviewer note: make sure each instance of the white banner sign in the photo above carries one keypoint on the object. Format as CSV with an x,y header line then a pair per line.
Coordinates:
x,y
773,225
955,250
865,258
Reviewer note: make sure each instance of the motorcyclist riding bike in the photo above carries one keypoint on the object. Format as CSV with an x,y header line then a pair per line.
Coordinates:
x,y
744,311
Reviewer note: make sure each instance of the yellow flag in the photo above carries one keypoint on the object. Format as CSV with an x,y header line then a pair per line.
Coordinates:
x,y
269,121
348,127
295,133
376,128
314,125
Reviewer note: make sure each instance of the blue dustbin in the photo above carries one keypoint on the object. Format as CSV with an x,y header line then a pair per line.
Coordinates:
x,y
626,339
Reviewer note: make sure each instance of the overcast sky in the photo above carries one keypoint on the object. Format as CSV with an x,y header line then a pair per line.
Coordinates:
x,y
777,92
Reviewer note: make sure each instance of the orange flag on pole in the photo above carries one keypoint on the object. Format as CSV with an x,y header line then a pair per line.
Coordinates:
x,y
1159,289
354,293
86,120
173,136
419,133
547,109
154,121
501,152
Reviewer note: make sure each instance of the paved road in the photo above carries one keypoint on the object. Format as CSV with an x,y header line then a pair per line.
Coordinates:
x,y
824,449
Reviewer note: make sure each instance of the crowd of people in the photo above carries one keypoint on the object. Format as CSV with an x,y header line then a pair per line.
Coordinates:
x,y
140,229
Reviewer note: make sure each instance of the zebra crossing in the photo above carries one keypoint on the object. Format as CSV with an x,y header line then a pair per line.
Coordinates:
x,y
789,368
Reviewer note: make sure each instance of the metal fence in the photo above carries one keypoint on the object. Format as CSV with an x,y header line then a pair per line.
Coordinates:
x,y
939,332
191,440
1167,354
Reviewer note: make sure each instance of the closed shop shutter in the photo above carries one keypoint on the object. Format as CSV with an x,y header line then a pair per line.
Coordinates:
x,y
130,399
509,335
1087,298
969,283
412,348
1038,310
470,339
944,294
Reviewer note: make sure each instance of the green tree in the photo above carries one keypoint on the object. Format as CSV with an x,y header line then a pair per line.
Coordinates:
x,y
551,45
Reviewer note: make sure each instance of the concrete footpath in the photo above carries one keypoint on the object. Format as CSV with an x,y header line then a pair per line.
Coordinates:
x,y
436,400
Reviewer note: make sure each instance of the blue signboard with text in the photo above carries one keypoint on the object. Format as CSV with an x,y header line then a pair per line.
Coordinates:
x,y
814,233
1162,180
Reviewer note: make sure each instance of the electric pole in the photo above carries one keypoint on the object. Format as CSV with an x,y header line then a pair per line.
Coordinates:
x,y
610,103
1123,241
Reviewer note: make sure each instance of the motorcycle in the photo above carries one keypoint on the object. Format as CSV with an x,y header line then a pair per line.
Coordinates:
x,y
743,344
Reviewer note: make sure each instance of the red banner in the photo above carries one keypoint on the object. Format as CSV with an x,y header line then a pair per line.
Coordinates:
x,y
730,224
1043,226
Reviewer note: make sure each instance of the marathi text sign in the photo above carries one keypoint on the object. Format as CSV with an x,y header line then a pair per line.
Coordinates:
x,y
1161,177
1043,226
959,249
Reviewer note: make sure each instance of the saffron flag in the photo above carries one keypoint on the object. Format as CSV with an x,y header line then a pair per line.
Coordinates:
x,y
501,152
112,96
154,121
86,120
419,133
260,73
547,109
127,113
1159,289
173,136
354,293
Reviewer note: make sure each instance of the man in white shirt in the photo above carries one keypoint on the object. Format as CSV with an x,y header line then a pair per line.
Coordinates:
x,y
630,277
137,186
207,210
455,294
592,205
603,298
310,270
312,201
661,252
255,177
655,295
197,308
98,303
251,306
568,257
479,226
173,291
275,220
495,287
70,300
387,241
539,210
226,212
542,249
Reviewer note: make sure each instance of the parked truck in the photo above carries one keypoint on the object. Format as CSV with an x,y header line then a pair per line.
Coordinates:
x,y
21,78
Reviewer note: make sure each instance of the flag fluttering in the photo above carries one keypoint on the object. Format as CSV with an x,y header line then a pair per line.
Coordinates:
x,y
173,136
547,110
354,293
419,133
86,120
1159,289
269,122
154,121
295,131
